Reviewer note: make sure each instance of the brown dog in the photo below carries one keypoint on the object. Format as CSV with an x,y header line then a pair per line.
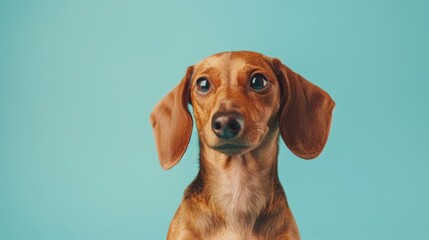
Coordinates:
x,y
242,101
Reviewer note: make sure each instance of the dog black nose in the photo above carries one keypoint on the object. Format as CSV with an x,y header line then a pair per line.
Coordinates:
x,y
227,125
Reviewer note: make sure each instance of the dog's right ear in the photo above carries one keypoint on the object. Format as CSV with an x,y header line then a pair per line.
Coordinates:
x,y
172,123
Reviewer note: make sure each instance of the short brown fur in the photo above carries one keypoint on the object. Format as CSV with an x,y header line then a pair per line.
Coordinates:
x,y
237,193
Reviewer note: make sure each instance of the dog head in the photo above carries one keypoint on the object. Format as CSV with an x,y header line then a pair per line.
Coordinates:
x,y
239,99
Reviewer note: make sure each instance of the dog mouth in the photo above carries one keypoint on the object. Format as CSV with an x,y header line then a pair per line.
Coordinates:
x,y
230,148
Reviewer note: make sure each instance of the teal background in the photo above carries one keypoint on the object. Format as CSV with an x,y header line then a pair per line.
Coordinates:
x,y
78,80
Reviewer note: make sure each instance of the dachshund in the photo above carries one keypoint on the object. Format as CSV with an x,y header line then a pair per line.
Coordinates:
x,y
242,102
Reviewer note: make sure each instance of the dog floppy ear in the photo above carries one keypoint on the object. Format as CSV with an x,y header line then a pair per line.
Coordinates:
x,y
306,113
172,123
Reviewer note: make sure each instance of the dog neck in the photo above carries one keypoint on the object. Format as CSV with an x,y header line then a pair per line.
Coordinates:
x,y
240,186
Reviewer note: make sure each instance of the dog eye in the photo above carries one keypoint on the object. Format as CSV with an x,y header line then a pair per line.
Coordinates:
x,y
258,82
203,85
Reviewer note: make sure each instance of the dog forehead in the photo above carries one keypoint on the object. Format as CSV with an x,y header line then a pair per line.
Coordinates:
x,y
222,62
231,61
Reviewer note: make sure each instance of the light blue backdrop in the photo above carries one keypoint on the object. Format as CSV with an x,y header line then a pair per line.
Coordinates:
x,y
78,80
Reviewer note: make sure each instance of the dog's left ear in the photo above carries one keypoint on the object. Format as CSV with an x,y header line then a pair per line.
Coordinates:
x,y
172,123
306,113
